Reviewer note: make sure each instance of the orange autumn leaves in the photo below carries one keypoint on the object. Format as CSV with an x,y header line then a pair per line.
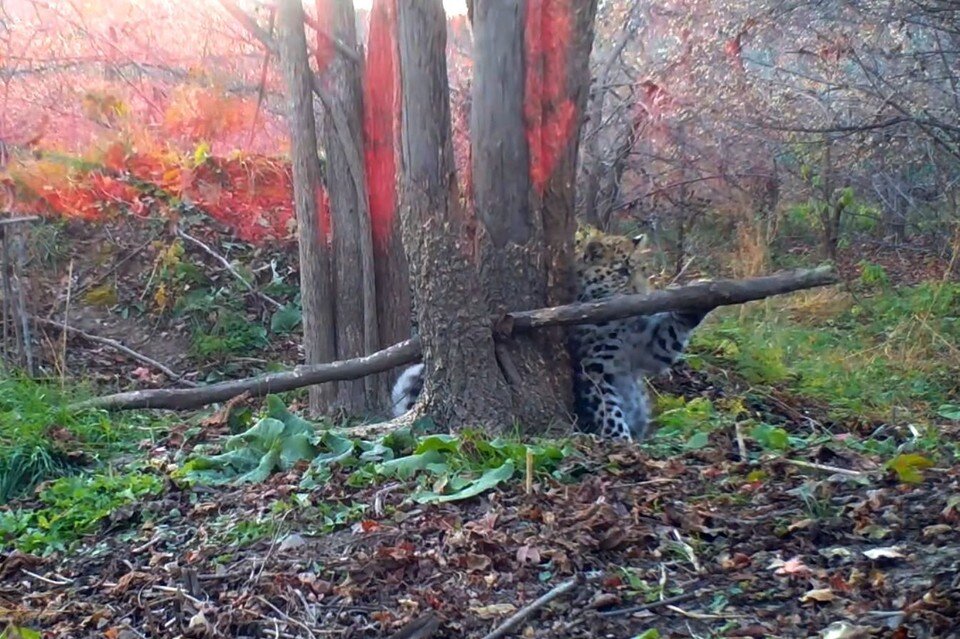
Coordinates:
x,y
252,194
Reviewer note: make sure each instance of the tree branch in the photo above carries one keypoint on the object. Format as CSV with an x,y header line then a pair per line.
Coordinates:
x,y
114,344
701,296
229,267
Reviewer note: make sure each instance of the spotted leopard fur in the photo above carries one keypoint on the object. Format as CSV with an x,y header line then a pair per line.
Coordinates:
x,y
611,358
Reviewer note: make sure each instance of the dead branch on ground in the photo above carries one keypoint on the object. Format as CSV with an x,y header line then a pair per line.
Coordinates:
x,y
114,344
701,296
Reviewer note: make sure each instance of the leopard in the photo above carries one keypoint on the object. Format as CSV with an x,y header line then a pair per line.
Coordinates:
x,y
611,359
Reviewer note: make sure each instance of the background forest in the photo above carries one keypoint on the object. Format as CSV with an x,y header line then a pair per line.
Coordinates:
x,y
803,477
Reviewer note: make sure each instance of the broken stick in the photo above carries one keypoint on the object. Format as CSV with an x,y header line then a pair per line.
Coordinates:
x,y
701,296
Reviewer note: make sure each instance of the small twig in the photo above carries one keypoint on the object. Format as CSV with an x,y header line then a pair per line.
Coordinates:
x,y
114,344
19,248
824,467
669,601
701,616
529,482
521,615
682,270
688,551
741,442
18,220
66,315
180,592
63,581
229,267
287,617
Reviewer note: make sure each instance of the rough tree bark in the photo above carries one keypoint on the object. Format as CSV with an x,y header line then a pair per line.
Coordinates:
x,y
529,89
354,284
464,387
316,284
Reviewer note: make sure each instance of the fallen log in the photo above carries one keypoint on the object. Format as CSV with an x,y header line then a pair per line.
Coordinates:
x,y
699,296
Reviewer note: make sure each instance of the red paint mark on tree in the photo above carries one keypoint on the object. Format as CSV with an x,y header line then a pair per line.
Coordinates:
x,y
381,102
323,25
323,215
550,114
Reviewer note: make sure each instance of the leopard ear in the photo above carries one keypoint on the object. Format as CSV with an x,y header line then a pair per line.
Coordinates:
x,y
592,251
640,241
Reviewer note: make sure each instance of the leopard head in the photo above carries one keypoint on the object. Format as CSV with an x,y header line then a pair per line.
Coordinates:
x,y
609,265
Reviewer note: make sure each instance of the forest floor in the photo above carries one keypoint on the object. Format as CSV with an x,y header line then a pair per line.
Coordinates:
x,y
804,481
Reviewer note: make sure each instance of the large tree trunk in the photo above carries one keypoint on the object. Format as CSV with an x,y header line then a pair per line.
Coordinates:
x,y
316,285
464,387
355,288
530,84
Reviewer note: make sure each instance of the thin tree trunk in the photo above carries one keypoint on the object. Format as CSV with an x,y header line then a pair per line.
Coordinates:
x,y
591,163
354,284
381,129
463,385
316,285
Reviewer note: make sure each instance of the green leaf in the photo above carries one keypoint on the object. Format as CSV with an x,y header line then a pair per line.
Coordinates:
x,y
444,443
286,319
201,153
909,466
949,411
771,437
406,467
487,481
278,410
19,632
699,440
653,633
340,448
846,197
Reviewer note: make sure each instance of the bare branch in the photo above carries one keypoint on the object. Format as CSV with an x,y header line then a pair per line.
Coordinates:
x,y
114,344
695,297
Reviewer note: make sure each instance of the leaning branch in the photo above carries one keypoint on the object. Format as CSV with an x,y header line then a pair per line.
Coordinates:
x,y
702,296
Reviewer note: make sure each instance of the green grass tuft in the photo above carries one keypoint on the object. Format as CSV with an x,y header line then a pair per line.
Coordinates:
x,y
41,439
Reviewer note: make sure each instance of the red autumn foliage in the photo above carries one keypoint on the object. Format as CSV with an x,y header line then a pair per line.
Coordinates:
x,y
105,143
251,194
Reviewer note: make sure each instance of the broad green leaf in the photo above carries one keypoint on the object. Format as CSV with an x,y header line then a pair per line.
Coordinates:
x,y
267,464
653,633
286,319
447,443
949,411
340,448
278,410
771,436
261,436
406,467
699,440
487,481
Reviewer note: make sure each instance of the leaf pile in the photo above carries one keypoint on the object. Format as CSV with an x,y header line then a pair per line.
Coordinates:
x,y
827,543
